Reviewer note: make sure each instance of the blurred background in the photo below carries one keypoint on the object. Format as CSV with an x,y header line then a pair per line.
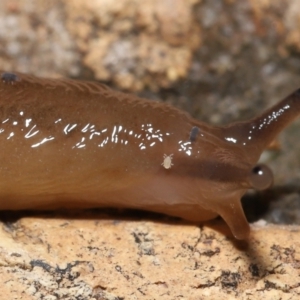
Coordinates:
x,y
220,60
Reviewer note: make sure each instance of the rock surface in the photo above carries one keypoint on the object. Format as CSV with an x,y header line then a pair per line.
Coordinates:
x,y
134,45
99,258
34,39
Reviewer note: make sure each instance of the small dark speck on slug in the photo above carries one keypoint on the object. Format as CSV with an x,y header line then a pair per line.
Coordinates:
x,y
9,77
297,92
194,132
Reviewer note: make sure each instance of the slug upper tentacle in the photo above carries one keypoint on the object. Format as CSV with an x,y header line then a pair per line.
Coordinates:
x,y
258,133
78,144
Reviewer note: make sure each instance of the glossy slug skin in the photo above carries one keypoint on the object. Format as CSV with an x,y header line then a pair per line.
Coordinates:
x,y
74,144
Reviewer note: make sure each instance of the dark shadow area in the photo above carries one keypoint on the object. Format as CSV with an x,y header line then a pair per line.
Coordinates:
x,y
10,218
259,204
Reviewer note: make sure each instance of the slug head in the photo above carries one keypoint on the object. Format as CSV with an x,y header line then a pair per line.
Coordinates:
x,y
251,138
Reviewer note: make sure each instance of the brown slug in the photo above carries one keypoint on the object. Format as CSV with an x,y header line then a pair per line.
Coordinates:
x,y
76,144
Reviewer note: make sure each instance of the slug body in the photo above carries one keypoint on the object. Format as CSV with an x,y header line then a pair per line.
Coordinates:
x,y
76,144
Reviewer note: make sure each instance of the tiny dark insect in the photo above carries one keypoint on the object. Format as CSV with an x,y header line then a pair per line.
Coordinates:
x,y
194,132
9,78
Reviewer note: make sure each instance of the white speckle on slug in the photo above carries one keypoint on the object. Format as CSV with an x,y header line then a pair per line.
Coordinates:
x,y
85,128
10,135
30,133
69,128
27,122
43,141
94,133
167,163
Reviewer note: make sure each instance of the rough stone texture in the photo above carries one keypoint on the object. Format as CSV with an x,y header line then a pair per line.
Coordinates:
x,y
34,39
94,258
219,60
134,45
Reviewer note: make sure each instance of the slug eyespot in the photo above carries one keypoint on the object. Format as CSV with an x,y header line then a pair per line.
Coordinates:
x,y
167,163
9,78
261,177
194,132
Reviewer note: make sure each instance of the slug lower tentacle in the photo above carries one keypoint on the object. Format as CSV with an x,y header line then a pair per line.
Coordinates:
x,y
77,144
